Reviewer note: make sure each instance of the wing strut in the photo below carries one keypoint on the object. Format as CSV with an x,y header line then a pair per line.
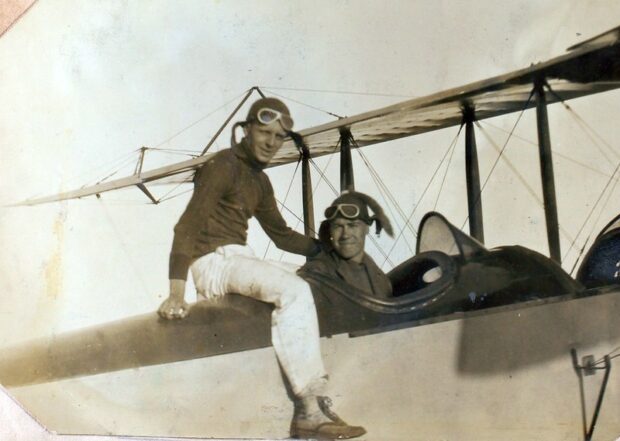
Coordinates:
x,y
147,193
137,172
546,170
308,200
346,163
474,196
306,185
234,112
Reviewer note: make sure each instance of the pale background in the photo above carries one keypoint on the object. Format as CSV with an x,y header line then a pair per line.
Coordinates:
x,y
86,83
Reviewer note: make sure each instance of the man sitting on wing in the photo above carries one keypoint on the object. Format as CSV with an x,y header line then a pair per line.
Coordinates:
x,y
210,239
343,236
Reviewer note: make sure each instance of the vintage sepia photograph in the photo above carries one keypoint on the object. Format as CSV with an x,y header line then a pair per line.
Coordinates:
x,y
245,219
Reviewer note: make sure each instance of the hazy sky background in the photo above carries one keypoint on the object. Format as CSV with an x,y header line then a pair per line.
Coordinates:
x,y
86,83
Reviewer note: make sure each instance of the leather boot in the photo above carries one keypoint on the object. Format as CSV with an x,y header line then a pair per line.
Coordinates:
x,y
314,419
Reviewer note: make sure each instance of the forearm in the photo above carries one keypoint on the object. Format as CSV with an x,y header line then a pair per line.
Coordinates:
x,y
286,238
297,243
177,289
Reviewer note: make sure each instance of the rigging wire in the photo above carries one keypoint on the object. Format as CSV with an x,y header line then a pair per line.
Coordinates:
x,y
284,201
385,195
202,119
386,189
444,177
322,177
595,223
377,178
594,207
415,207
192,153
555,153
185,181
527,103
303,104
107,167
299,219
116,165
342,92
118,169
383,190
316,186
609,354
522,179
585,126
603,360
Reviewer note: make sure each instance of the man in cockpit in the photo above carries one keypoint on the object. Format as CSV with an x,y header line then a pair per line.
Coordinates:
x,y
210,239
343,235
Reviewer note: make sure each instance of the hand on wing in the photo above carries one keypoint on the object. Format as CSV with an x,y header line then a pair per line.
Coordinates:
x,y
173,308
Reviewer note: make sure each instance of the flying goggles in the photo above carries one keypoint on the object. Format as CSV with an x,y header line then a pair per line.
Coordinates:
x,y
348,211
267,116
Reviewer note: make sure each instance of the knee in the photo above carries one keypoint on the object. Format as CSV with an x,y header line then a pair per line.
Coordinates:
x,y
298,294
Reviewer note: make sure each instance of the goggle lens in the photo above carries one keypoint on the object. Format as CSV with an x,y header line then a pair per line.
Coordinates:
x,y
267,116
348,211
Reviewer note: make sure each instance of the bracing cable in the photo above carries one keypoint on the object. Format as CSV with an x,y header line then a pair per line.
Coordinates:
x,y
555,153
283,203
588,130
415,207
592,211
202,118
444,177
314,189
304,104
527,103
521,178
340,92
387,196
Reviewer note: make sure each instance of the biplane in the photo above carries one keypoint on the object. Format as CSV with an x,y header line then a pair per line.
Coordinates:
x,y
473,280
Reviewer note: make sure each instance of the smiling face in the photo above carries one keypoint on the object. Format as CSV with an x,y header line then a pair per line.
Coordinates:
x,y
264,140
348,237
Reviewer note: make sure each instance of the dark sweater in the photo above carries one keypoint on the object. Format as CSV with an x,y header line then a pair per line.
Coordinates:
x,y
230,188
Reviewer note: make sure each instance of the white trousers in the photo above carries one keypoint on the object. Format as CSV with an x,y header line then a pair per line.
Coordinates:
x,y
294,324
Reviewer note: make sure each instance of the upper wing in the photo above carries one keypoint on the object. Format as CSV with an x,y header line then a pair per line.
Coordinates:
x,y
588,68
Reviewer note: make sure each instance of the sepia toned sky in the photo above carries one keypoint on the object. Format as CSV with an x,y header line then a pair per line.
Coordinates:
x,y
85,84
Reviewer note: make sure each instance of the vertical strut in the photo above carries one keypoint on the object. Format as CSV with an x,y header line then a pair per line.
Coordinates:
x,y
140,163
474,196
306,184
346,164
546,170
308,202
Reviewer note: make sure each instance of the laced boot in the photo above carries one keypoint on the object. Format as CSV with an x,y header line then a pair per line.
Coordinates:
x,y
314,419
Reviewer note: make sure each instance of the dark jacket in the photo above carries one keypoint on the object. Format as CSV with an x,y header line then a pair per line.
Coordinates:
x,y
365,276
230,188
